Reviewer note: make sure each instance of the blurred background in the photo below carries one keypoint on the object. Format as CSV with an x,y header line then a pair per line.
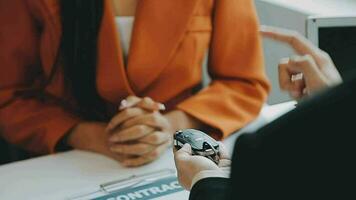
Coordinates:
x,y
330,24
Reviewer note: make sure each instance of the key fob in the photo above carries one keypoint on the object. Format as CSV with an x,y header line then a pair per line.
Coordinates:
x,y
201,143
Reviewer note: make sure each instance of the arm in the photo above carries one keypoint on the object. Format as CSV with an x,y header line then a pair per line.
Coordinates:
x,y
239,86
29,48
209,189
305,153
34,125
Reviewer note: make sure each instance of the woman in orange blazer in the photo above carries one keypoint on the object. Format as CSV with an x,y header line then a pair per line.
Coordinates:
x,y
63,73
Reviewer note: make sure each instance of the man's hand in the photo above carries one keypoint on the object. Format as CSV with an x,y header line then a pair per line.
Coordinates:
x,y
188,166
306,73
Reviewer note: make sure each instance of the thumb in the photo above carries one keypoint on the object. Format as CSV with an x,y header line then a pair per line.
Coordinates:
x,y
186,150
129,102
224,153
148,104
182,154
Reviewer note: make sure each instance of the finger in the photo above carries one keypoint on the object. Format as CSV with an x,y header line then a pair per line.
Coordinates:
x,y
304,64
297,77
131,133
297,87
290,77
145,103
184,152
313,76
296,95
175,149
155,120
123,116
284,74
145,159
224,153
148,104
224,163
129,102
132,149
156,138
299,43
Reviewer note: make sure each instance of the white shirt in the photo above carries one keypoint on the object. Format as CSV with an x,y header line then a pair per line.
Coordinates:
x,y
125,26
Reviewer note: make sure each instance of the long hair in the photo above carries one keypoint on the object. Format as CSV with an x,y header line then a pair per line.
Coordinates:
x,y
77,55
81,21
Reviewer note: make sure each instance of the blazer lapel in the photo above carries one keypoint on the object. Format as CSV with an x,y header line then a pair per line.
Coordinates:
x,y
159,28
112,80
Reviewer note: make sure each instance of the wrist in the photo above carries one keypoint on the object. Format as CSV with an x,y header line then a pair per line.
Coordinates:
x,y
72,135
180,120
75,136
62,145
209,174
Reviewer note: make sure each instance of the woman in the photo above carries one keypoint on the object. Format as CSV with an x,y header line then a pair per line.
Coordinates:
x,y
66,68
306,153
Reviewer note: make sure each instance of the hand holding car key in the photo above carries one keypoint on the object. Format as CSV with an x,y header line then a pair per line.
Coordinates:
x,y
201,143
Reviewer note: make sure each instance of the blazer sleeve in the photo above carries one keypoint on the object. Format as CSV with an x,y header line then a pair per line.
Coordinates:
x,y
239,85
209,189
34,125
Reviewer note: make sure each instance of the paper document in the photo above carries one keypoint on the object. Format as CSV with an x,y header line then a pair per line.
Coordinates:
x,y
162,185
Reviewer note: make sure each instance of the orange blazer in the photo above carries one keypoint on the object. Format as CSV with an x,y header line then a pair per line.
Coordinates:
x,y
169,41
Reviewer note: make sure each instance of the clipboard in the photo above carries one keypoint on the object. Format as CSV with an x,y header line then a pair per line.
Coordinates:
x,y
139,187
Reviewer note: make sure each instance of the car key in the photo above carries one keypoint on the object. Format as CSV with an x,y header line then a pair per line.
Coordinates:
x,y
201,143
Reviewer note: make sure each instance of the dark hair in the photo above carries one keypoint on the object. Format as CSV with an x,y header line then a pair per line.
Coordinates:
x,y
77,56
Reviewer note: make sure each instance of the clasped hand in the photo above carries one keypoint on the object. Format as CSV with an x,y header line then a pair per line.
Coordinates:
x,y
139,132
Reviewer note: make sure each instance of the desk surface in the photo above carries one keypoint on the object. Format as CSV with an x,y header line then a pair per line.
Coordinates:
x,y
63,175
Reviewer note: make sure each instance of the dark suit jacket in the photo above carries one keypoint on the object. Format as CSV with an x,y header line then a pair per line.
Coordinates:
x,y
307,154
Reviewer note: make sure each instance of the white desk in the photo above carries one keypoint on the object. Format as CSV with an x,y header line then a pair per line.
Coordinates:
x,y
66,174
